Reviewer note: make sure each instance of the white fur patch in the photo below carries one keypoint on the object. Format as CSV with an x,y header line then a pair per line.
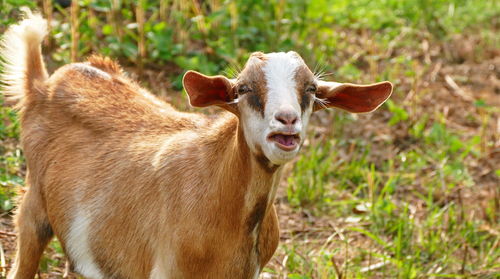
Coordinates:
x,y
280,72
164,264
90,71
158,272
77,245
14,49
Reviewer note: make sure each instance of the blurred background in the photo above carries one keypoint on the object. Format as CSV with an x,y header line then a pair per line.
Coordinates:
x,y
409,191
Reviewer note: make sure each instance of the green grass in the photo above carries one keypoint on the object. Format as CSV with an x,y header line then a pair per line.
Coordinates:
x,y
410,244
410,191
11,159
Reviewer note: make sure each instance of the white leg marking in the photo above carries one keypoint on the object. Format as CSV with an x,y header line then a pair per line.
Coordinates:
x,y
78,247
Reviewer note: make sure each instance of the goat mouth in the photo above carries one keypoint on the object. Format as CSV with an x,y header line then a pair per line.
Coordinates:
x,y
285,141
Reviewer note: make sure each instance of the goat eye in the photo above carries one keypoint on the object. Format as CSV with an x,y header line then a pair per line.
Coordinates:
x,y
311,89
244,89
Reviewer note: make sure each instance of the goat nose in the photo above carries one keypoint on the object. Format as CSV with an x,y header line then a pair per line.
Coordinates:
x,y
287,117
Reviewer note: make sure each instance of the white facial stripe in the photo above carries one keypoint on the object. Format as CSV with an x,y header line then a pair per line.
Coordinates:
x,y
279,71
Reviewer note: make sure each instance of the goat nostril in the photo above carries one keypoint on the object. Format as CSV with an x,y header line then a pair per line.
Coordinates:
x,y
287,118
281,120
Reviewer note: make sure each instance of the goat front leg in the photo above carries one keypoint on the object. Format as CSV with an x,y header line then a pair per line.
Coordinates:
x,y
34,233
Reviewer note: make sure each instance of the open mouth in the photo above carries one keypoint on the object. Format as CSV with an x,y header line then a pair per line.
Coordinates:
x,y
284,141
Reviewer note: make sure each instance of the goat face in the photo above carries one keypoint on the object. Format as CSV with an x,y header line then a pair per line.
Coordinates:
x,y
274,97
275,94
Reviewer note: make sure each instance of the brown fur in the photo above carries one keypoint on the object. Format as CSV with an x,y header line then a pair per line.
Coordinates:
x,y
253,76
264,162
105,64
304,78
151,176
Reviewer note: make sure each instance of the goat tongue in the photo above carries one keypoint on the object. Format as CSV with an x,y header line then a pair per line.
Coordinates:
x,y
286,140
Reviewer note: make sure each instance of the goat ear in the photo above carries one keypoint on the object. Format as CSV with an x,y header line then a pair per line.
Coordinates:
x,y
205,90
352,97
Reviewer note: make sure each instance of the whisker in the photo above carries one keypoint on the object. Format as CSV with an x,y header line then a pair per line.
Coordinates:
x,y
315,70
322,102
235,101
319,71
324,74
232,71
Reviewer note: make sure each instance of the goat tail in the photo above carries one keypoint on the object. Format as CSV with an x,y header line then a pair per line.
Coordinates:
x,y
23,71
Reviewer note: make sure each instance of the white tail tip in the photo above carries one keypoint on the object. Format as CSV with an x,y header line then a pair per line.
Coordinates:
x,y
21,43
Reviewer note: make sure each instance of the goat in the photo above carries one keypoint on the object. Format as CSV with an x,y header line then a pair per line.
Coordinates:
x,y
132,187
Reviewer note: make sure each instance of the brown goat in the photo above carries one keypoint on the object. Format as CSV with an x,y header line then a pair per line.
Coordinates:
x,y
133,188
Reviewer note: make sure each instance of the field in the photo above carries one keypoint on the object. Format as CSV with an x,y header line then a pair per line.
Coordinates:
x,y
409,191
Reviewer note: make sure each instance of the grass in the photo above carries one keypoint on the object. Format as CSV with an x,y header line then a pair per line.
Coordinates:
x,y
11,159
410,191
383,206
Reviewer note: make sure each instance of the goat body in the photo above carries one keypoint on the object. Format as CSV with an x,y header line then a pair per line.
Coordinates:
x,y
133,188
